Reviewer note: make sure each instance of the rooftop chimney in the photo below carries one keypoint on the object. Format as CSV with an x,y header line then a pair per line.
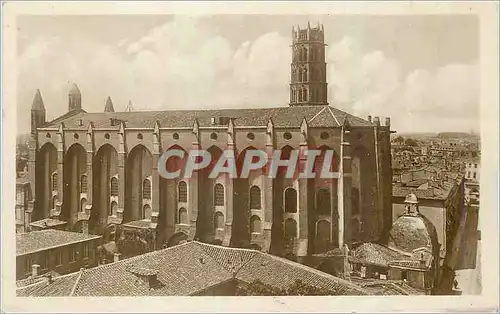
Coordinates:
x,y
116,257
34,270
369,118
146,276
376,120
388,121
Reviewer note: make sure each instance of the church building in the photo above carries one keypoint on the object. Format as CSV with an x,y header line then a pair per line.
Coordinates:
x,y
96,170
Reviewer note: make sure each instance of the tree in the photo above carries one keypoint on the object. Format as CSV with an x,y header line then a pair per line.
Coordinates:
x,y
411,142
399,139
258,288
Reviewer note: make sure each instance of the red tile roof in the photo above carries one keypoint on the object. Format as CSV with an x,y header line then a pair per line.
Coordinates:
x,y
188,269
35,241
376,254
317,116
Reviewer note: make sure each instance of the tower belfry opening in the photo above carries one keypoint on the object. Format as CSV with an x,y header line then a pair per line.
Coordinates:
x,y
308,84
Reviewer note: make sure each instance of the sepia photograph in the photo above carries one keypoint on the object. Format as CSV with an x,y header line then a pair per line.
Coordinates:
x,y
248,152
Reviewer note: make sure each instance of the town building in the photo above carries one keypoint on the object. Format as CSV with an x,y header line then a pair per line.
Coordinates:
x,y
189,269
23,196
412,254
62,252
95,170
441,198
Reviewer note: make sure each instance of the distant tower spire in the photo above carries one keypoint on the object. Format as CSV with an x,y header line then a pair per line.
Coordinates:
x,y
37,112
308,84
75,98
109,105
129,107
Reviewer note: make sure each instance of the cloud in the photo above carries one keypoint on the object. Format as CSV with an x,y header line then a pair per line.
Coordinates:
x,y
445,98
181,64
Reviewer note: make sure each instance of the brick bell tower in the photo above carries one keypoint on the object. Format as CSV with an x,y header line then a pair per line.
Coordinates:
x,y
308,69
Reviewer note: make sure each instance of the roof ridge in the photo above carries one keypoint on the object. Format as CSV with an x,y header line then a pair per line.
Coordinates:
x,y
317,114
82,270
333,115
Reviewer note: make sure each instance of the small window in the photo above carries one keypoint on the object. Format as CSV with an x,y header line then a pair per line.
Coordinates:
x,y
114,186
287,136
324,135
175,136
255,224
182,192
219,220
255,197
219,195
83,205
54,181
76,136
251,136
44,260
475,165
114,208
57,258
146,189
83,184
72,254
146,212
182,216
214,136
47,135
106,136
139,136
85,250
474,175
290,200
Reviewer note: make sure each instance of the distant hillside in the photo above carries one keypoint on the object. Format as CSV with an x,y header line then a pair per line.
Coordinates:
x,y
455,135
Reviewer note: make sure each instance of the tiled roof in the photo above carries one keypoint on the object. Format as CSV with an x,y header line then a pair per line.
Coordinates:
x,y
60,287
316,116
386,287
47,223
409,233
31,280
376,254
192,267
35,241
434,193
141,224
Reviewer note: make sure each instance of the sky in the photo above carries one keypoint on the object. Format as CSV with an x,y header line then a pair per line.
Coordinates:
x,y
422,71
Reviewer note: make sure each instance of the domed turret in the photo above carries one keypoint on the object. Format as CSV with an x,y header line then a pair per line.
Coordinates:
x,y
413,230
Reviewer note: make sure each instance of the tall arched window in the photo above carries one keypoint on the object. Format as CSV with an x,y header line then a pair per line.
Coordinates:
x,y
54,202
146,212
219,195
114,208
305,54
54,181
335,199
83,204
290,228
322,235
182,192
323,202
146,189
218,220
306,94
290,200
83,183
255,197
355,201
305,76
255,224
300,94
114,186
182,216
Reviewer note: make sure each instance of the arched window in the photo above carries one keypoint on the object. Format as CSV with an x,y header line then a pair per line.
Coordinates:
x,y
305,54
300,94
54,202
83,183
323,202
305,76
335,198
306,94
146,189
290,200
255,224
146,212
322,235
114,208
218,220
54,181
255,197
290,228
355,201
83,204
114,186
182,217
219,195
182,192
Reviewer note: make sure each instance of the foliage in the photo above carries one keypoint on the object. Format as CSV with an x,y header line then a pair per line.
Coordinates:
x,y
411,142
399,139
298,288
